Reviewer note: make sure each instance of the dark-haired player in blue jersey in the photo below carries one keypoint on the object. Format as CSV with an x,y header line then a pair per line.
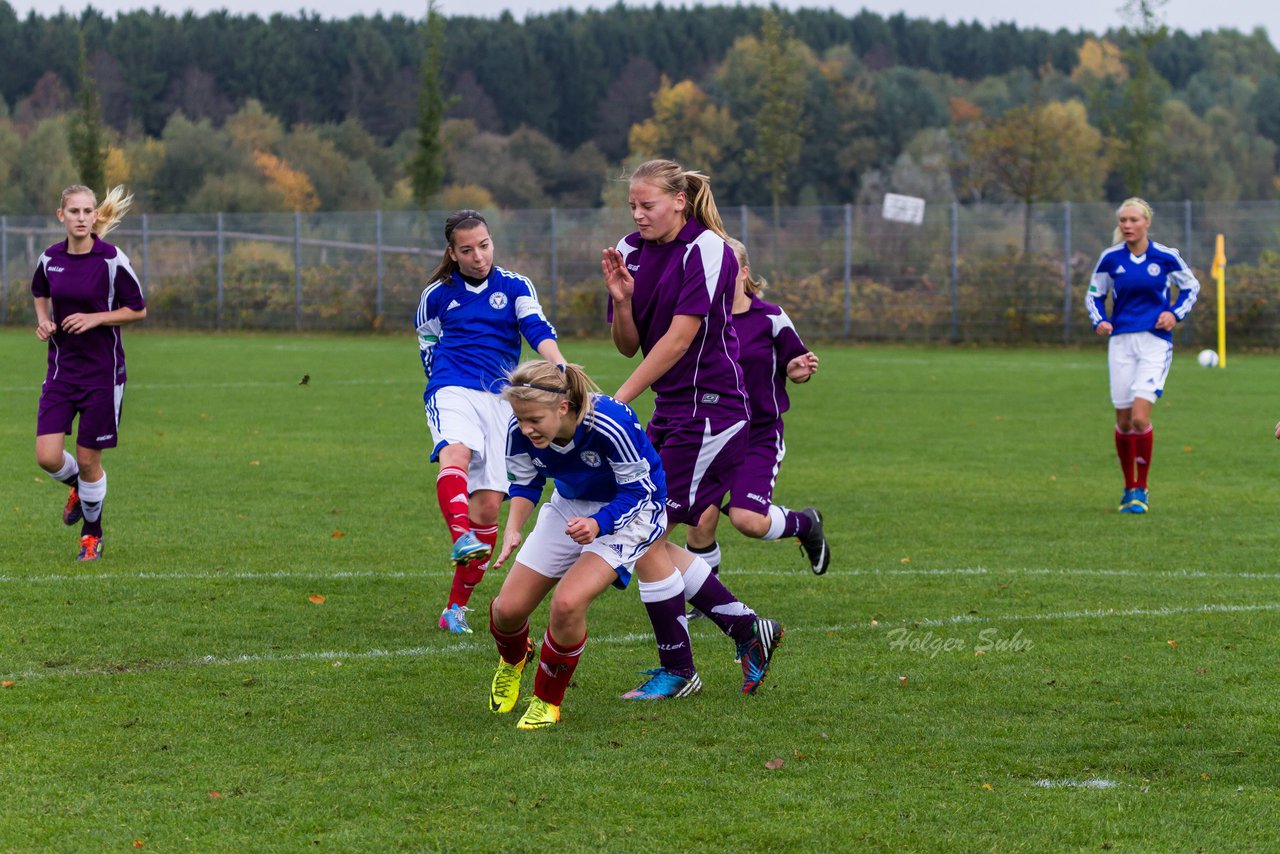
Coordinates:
x,y
606,513
84,290
1139,274
470,321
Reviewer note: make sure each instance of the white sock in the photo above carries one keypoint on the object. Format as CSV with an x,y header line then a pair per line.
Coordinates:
x,y
91,497
695,576
69,471
777,522
658,591
711,554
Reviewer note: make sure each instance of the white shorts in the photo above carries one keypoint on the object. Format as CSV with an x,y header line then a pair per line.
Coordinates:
x,y
549,551
478,420
1139,364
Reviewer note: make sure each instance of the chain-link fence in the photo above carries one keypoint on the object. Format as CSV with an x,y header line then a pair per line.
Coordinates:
x,y
968,273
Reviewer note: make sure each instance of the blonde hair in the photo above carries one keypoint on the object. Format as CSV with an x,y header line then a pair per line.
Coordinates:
x,y
110,212
1132,202
672,178
539,381
754,284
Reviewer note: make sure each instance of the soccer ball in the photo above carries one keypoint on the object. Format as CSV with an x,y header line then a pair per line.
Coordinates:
x,y
1208,358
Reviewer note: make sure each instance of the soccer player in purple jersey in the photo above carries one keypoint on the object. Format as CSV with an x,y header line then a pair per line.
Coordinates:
x,y
670,285
84,291
769,352
470,322
1138,273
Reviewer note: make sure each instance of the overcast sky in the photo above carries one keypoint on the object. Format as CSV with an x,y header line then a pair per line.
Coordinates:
x,y
1093,15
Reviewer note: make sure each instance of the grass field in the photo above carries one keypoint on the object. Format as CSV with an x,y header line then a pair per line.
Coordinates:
x,y
184,694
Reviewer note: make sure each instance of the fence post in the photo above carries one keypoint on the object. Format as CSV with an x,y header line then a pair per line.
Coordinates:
x,y
221,255
742,227
955,271
4,269
848,270
1066,272
555,264
377,252
297,270
146,258
1186,223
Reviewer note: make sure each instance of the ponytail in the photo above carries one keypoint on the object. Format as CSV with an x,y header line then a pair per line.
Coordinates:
x,y
112,210
754,284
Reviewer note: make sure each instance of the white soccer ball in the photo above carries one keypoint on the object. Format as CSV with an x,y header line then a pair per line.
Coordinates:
x,y
1208,358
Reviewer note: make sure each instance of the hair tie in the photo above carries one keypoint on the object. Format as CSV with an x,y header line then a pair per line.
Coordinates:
x,y
560,367
542,388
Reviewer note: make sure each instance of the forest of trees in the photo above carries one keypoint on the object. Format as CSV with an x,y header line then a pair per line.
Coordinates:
x,y
230,113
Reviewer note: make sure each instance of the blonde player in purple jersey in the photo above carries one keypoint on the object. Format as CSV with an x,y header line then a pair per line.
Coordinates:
x,y
84,291
670,285
769,352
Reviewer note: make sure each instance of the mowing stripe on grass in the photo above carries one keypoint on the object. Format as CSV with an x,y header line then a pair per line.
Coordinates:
x,y
337,656
250,575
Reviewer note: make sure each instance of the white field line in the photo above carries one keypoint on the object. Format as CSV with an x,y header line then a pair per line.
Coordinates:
x,y
337,657
138,386
251,575
1092,783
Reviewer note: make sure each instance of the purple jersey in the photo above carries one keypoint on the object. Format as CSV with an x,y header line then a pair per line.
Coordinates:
x,y
767,342
97,281
692,274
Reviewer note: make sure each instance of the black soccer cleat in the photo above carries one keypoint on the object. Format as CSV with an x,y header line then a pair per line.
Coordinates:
x,y
814,543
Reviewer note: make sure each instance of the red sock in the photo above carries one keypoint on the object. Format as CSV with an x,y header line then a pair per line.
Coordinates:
x,y
1142,446
451,492
513,647
467,576
1125,451
555,668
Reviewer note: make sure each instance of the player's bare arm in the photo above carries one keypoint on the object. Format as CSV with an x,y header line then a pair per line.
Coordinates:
x,y
670,347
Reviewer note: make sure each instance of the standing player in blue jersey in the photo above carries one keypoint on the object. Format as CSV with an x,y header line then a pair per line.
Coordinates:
x,y
470,321
1138,273
84,290
605,514
670,285
769,352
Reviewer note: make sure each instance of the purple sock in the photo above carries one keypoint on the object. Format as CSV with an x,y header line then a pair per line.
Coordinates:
x,y
664,601
796,525
712,598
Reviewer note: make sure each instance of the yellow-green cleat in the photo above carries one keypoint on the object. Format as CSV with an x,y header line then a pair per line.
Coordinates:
x,y
539,715
506,684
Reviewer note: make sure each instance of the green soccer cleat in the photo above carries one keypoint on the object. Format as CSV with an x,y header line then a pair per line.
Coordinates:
x,y
505,689
539,715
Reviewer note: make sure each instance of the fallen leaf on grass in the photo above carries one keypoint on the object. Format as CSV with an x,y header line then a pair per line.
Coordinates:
x,y
875,622
1173,643
902,680
1204,776
315,599
987,786
775,763
8,683
255,462
798,754
905,560
1186,449
138,843
337,535
979,652
213,796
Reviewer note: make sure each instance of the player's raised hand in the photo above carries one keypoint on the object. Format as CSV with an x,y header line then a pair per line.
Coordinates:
x,y
510,542
617,278
802,367
582,530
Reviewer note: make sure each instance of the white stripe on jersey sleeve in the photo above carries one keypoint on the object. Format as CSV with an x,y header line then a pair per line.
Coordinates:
x,y
711,247
779,322
420,317
617,435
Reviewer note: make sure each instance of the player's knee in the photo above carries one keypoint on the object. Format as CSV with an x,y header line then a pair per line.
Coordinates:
x,y
504,617
754,525
1139,425
49,460
568,613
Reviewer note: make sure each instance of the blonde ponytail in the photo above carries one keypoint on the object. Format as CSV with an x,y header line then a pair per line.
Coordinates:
x,y
112,210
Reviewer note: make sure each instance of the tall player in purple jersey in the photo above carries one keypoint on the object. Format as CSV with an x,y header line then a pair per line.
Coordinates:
x,y
470,321
84,290
769,352
671,291
1138,274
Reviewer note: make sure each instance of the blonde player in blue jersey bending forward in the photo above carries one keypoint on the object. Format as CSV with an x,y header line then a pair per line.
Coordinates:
x,y
470,321
606,513
1139,274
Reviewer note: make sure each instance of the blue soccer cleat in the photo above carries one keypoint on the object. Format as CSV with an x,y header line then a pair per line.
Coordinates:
x,y
468,548
454,620
662,684
1137,501
1125,500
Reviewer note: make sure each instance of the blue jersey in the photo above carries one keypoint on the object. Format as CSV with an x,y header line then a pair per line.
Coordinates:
x,y
469,335
1140,288
609,459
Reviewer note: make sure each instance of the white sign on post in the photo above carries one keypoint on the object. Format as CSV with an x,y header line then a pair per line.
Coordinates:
x,y
903,208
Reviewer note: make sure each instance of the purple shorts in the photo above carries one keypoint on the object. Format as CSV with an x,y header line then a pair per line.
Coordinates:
x,y
757,471
98,408
699,459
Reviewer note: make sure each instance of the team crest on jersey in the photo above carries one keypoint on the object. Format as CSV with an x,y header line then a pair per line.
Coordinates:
x,y
498,300
591,458
1153,269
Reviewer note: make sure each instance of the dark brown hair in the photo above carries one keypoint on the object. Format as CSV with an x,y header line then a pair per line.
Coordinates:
x,y
464,219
